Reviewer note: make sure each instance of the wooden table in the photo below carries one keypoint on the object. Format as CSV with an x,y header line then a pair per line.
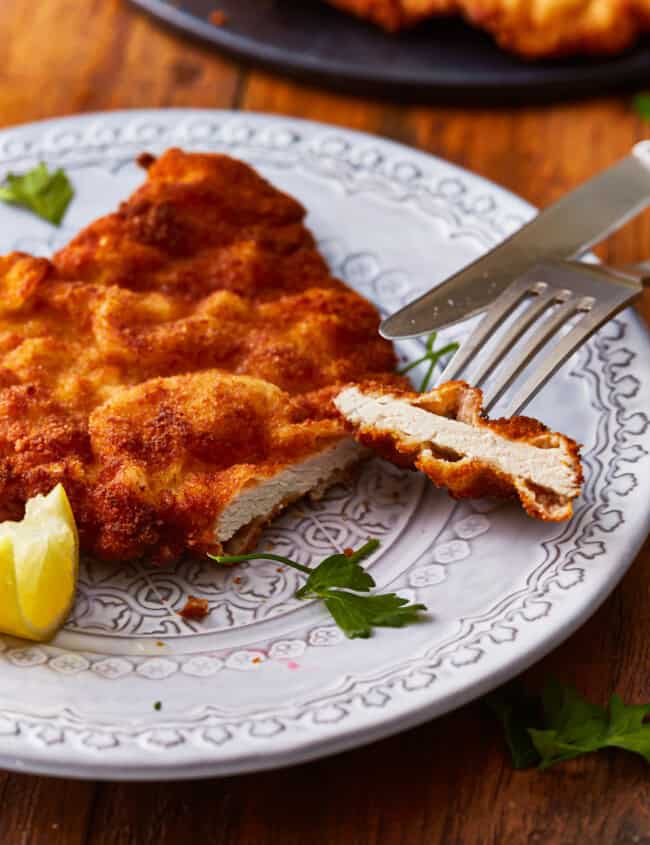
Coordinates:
x,y
448,782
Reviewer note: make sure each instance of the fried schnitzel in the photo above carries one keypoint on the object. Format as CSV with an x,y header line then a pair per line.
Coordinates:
x,y
181,368
176,355
444,434
532,28
393,15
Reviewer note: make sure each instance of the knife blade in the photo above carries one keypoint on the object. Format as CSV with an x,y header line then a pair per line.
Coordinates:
x,y
564,230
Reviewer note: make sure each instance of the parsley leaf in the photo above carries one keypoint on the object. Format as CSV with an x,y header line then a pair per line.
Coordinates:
x,y
47,194
517,711
574,726
340,571
432,356
570,725
642,105
356,615
331,582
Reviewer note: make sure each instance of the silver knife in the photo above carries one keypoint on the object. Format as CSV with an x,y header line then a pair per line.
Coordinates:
x,y
566,229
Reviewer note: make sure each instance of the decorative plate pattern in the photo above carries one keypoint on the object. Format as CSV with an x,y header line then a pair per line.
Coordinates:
x,y
267,680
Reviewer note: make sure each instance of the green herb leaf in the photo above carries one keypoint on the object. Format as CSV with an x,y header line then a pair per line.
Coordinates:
x,y
341,571
517,711
331,581
571,715
46,194
157,705
357,615
432,356
642,105
570,725
574,726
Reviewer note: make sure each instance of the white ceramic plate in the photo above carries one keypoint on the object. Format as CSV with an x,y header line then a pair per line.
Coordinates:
x,y
265,680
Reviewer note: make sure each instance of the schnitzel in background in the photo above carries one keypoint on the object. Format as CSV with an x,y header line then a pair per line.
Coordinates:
x,y
532,28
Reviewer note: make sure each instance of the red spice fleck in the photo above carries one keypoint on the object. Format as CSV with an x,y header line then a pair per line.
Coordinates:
x,y
256,660
218,18
236,580
348,552
195,608
280,569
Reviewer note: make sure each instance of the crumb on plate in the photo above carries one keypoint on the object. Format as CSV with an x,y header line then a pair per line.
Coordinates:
x,y
195,608
145,160
217,17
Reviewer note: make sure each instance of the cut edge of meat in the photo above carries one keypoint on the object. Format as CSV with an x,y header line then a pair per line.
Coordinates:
x,y
444,434
240,524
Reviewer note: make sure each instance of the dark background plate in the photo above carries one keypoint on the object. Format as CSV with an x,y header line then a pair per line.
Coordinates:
x,y
441,59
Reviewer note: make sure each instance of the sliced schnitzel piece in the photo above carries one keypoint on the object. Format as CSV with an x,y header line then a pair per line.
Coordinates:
x,y
444,434
532,28
173,366
205,460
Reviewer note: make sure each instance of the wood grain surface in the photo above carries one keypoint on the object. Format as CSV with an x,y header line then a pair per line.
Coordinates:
x,y
448,782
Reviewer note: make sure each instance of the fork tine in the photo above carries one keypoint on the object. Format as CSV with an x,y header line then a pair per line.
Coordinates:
x,y
501,308
518,328
597,291
563,350
546,330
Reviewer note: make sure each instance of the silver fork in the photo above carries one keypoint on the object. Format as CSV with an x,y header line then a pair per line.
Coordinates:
x,y
549,296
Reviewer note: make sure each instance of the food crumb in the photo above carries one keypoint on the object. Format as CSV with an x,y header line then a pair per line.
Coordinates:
x,y
195,608
236,580
160,644
280,569
348,552
256,660
145,160
157,705
218,18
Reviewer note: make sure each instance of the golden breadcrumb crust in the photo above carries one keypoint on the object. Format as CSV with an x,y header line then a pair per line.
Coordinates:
x,y
170,353
532,28
393,15
469,477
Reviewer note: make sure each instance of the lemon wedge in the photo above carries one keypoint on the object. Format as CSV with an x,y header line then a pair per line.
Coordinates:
x,y
39,561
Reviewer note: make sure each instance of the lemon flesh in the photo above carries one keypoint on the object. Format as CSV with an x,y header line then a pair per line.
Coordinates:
x,y
39,561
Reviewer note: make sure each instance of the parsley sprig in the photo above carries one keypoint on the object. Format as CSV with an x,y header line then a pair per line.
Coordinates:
x,y
561,725
47,194
642,105
332,581
432,356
